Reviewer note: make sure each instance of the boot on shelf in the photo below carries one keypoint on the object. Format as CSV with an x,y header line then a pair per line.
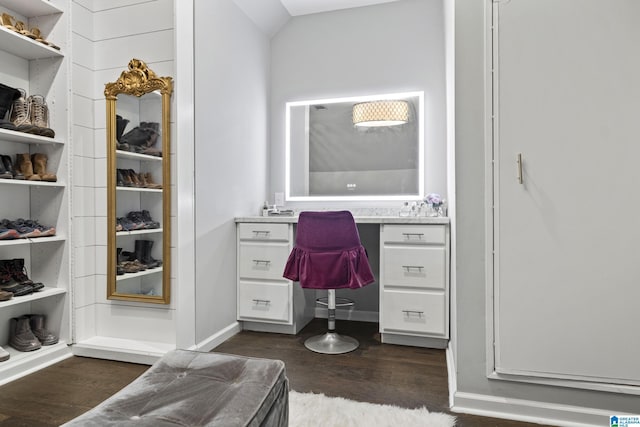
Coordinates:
x,y
40,115
8,165
143,253
9,284
121,125
7,96
4,173
21,116
39,162
5,295
46,337
119,268
148,178
24,165
20,335
19,273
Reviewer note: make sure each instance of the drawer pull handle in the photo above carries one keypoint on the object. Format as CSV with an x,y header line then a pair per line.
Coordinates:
x,y
261,232
410,236
262,301
412,267
409,313
261,261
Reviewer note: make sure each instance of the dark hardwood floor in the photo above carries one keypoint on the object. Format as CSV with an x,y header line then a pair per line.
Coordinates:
x,y
379,373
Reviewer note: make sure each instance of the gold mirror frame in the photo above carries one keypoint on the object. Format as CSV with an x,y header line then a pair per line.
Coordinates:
x,y
137,81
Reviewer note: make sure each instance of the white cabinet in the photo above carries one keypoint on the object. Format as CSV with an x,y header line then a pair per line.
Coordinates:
x,y
413,279
266,300
414,285
39,69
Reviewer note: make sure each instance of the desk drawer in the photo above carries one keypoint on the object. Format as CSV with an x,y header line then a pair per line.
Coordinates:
x,y
415,266
262,260
265,301
263,231
422,312
413,234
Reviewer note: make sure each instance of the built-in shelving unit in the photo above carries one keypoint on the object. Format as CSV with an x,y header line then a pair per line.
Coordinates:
x,y
39,70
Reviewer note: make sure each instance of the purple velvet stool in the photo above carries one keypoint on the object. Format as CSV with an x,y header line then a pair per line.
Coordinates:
x,y
328,255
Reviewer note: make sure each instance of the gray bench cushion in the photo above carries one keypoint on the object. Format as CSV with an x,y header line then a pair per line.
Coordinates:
x,y
187,388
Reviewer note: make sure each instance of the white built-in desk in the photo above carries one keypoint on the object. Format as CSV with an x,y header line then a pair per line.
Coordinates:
x,y
413,278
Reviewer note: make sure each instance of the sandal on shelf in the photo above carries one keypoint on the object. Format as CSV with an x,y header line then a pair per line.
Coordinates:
x,y
7,22
37,36
22,29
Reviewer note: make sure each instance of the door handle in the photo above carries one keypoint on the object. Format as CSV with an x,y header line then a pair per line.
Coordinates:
x,y
519,168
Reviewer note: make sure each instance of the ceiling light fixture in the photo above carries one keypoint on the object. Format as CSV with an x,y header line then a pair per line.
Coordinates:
x,y
381,113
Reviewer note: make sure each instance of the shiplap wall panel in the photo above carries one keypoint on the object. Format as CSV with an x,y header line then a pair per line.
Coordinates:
x,y
136,19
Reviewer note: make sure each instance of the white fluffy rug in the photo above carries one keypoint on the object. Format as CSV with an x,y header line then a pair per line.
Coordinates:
x,y
311,410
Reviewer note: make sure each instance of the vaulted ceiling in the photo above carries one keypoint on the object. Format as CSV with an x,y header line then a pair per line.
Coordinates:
x,y
271,15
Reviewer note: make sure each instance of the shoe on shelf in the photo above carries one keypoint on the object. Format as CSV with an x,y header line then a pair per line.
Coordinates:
x,y
17,289
37,36
4,173
8,165
5,295
20,335
20,115
19,274
4,355
7,233
7,96
148,178
39,163
37,324
40,115
121,125
24,165
143,253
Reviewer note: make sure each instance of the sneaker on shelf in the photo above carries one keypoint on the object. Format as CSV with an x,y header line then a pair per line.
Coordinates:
x,y
40,115
4,355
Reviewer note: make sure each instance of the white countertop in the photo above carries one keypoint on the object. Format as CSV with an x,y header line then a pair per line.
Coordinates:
x,y
377,219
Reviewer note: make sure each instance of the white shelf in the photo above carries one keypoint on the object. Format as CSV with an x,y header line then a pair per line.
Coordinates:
x,y
138,189
45,292
31,8
16,242
22,363
127,276
137,156
27,138
139,232
24,47
11,181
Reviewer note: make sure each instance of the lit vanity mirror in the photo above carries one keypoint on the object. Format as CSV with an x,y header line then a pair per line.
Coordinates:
x,y
138,186
357,148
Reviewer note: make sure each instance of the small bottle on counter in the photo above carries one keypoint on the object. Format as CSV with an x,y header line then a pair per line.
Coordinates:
x,y
265,209
405,210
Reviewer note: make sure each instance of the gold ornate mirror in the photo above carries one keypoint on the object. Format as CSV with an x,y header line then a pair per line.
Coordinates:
x,y
138,186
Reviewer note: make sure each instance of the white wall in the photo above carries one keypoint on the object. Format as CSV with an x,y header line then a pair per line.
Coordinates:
x,y
105,36
471,239
231,143
393,47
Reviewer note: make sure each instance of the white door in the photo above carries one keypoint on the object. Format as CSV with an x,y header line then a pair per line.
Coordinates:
x,y
567,240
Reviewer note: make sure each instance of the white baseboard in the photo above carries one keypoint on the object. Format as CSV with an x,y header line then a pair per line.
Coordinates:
x,y
529,411
357,315
451,374
218,338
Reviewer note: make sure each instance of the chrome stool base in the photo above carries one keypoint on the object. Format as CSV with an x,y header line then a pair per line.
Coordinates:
x,y
331,343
